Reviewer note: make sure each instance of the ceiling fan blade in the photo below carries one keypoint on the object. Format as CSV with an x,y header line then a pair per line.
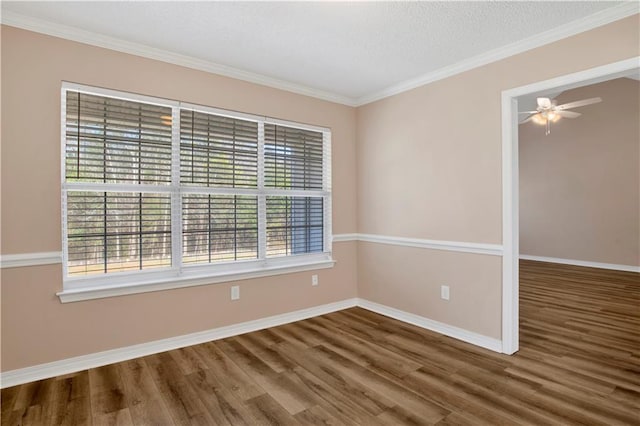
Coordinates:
x,y
528,112
581,103
544,103
529,118
568,114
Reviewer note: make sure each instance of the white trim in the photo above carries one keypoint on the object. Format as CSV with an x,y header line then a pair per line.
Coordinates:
x,y
88,37
275,192
510,227
155,284
83,362
71,365
185,189
337,238
118,187
262,198
327,206
572,28
578,79
296,125
118,94
176,195
63,178
221,112
34,259
439,327
54,257
465,247
30,259
586,263
510,198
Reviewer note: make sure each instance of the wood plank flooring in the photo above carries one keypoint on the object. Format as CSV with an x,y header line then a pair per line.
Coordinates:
x,y
578,364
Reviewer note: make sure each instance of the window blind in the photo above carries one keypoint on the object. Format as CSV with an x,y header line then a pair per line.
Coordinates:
x,y
117,231
294,225
116,141
218,151
152,185
293,158
219,228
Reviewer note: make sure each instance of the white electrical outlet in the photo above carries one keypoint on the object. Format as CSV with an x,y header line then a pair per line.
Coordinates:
x,y
235,292
444,292
314,280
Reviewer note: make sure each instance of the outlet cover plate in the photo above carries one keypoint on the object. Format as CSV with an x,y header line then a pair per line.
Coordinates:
x,y
235,292
444,292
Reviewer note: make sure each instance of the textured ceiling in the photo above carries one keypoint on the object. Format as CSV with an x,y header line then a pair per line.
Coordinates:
x,y
352,49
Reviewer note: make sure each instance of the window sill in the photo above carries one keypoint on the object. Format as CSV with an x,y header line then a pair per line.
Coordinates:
x,y
102,291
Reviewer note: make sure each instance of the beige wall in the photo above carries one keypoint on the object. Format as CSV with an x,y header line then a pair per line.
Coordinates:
x,y
429,166
580,185
409,279
36,327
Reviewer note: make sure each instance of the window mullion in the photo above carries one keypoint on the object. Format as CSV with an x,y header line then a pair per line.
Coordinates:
x,y
176,196
326,186
262,199
63,174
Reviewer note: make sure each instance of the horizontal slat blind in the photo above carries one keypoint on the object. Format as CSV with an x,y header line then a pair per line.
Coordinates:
x,y
218,151
293,158
171,189
116,141
113,231
219,228
294,225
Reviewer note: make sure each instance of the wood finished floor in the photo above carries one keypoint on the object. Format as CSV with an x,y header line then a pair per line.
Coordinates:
x,y
578,364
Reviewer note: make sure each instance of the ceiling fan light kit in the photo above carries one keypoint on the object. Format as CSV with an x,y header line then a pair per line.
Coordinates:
x,y
549,112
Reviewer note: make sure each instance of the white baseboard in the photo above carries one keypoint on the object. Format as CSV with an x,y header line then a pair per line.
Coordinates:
x,y
588,264
439,327
71,365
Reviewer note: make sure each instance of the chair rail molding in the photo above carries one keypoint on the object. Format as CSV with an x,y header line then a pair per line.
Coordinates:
x,y
30,259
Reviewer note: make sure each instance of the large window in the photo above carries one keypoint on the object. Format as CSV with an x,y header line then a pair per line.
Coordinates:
x,y
157,191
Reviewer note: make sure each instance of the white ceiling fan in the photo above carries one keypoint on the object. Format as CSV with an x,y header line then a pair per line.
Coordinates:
x,y
548,112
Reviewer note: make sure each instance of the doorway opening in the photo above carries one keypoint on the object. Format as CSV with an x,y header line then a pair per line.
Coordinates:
x,y
510,179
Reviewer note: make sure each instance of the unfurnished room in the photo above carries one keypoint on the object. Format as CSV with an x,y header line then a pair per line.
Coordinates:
x,y
320,213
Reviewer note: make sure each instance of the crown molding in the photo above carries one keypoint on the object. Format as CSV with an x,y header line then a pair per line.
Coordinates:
x,y
88,37
82,36
570,29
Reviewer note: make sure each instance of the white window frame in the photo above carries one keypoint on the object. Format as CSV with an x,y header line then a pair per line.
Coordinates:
x,y
179,275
